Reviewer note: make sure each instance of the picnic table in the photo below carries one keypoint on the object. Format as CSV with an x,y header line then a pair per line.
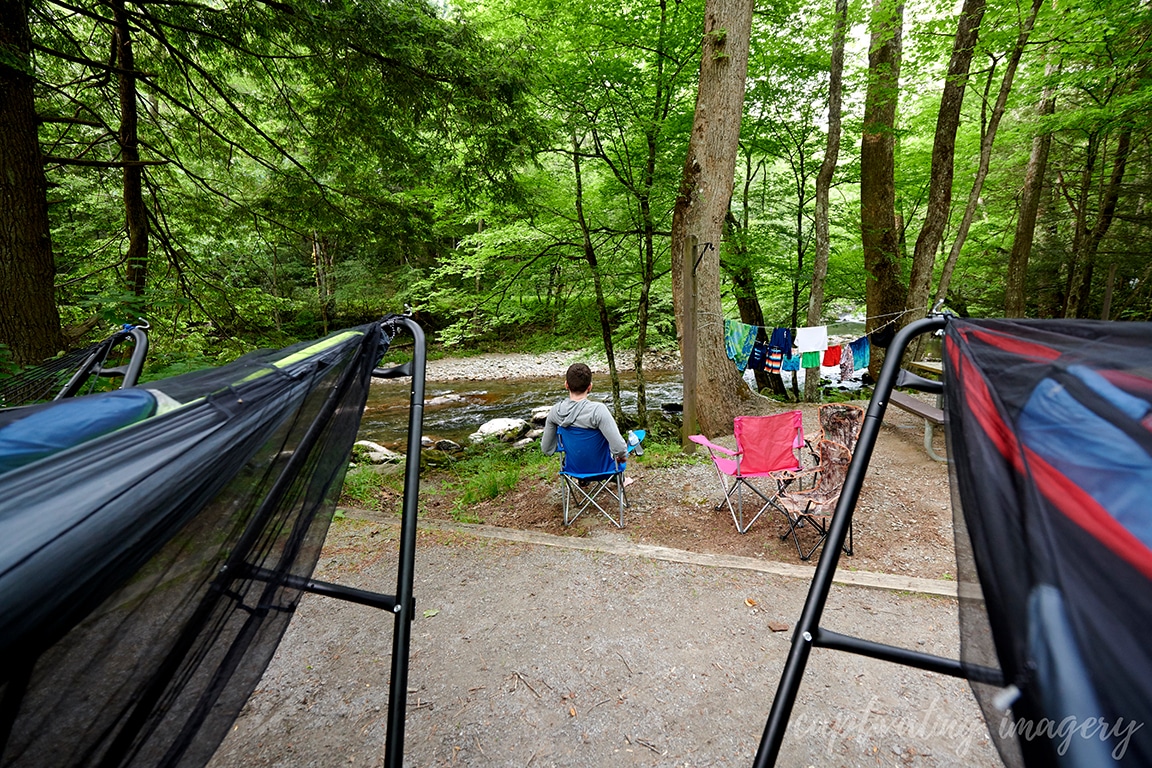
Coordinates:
x,y
933,415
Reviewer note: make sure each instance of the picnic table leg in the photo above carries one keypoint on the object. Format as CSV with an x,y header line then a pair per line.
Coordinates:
x,y
929,431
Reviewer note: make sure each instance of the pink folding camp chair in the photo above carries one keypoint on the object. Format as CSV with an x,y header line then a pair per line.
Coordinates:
x,y
765,448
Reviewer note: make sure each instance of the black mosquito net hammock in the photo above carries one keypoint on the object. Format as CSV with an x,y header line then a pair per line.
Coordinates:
x,y
155,541
1049,428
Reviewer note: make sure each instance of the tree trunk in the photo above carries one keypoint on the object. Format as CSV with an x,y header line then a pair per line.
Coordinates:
x,y
735,265
943,158
647,277
883,290
322,269
823,188
747,300
1083,290
29,321
1029,209
598,286
135,212
702,204
986,140
1080,227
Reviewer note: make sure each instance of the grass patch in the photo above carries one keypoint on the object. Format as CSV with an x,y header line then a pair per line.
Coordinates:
x,y
488,471
661,455
364,487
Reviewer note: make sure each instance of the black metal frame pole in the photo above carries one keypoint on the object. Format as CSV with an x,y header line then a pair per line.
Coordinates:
x,y
824,638
405,604
808,626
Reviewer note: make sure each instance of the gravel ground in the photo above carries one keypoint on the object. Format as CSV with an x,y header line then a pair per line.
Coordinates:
x,y
527,655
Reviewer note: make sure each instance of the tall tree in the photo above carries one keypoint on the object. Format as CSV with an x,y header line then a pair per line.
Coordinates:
x,y
135,211
735,262
29,320
594,266
988,130
824,186
286,118
884,290
702,205
628,139
1014,300
1087,242
943,157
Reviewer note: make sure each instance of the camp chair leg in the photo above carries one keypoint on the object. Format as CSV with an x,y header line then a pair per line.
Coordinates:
x,y
737,512
573,491
821,529
793,524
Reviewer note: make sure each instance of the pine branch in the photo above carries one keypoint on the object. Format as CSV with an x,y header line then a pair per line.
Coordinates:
x,y
56,160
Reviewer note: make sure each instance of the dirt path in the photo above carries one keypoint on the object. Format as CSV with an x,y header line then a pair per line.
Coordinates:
x,y
531,655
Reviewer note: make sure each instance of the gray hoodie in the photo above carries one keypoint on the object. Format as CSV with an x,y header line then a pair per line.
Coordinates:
x,y
588,414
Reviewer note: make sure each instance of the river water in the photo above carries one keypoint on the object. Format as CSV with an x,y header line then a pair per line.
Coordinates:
x,y
455,409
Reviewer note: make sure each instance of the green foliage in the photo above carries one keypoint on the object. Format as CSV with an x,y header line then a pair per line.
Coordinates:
x,y
299,153
661,454
320,164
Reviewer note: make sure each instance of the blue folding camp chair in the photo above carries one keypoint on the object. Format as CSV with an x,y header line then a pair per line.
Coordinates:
x,y
587,469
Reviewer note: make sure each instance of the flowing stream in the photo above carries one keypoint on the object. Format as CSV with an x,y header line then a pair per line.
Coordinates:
x,y
456,409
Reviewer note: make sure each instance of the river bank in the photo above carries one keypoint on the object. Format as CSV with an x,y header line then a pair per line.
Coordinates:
x,y
520,365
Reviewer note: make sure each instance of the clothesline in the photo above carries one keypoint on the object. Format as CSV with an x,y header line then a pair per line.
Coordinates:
x,y
783,352
894,315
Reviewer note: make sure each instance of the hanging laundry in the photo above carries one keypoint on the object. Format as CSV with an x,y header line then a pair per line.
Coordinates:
x,y
775,358
882,337
757,356
831,357
846,362
790,363
738,341
810,359
782,338
861,353
814,339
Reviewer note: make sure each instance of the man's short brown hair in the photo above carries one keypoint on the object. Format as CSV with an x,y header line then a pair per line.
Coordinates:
x,y
578,378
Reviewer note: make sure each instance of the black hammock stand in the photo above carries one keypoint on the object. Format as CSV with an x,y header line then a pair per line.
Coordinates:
x,y
74,371
155,541
1049,427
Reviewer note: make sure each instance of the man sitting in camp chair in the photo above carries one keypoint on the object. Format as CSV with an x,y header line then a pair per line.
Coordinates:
x,y
594,450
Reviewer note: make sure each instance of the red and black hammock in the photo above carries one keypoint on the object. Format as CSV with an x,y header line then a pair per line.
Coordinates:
x,y
1049,429
1050,426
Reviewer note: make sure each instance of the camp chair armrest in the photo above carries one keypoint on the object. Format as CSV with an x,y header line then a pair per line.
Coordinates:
x,y
792,474
701,440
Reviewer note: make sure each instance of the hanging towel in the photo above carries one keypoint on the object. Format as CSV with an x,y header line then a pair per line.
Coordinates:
x,y
738,341
775,358
846,362
782,338
810,359
831,357
861,353
814,339
757,356
790,363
